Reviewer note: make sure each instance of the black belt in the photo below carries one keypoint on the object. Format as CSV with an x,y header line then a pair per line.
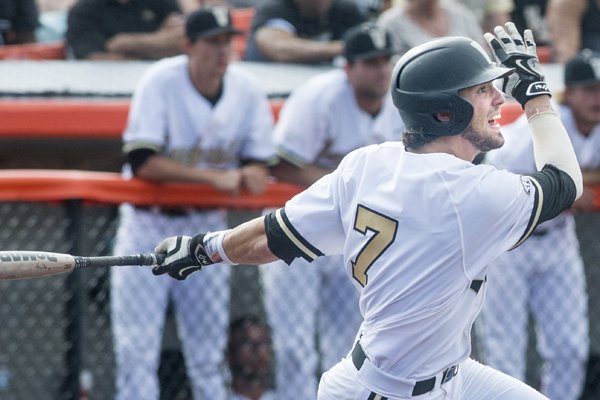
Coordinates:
x,y
421,387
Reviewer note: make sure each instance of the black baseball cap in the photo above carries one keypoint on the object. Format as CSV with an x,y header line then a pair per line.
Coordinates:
x,y
583,69
209,21
367,40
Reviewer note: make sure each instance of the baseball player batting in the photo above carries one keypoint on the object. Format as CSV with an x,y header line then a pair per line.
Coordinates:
x,y
418,228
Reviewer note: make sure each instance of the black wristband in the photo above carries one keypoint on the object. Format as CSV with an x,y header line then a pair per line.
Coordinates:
x,y
527,90
197,250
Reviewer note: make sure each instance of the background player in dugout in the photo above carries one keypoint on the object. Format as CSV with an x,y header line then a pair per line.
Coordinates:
x,y
324,119
250,359
545,276
409,223
192,119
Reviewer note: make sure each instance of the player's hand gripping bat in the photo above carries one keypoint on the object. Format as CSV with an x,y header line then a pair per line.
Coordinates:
x,y
34,264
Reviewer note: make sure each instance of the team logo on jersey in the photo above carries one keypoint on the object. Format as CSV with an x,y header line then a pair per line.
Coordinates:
x,y
526,184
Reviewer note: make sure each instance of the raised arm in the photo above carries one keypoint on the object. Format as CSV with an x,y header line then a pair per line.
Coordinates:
x,y
281,46
552,145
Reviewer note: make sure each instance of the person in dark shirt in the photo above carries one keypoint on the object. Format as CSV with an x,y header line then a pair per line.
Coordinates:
x,y
301,31
125,29
18,20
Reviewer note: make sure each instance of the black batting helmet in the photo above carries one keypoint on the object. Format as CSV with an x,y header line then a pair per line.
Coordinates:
x,y
426,80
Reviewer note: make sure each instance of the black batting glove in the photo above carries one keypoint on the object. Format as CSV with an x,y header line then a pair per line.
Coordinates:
x,y
512,51
184,255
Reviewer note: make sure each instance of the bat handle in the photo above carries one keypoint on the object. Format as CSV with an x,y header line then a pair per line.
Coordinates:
x,y
159,258
108,261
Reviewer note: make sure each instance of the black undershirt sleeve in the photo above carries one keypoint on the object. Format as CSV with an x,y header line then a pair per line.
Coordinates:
x,y
136,158
558,190
281,244
555,192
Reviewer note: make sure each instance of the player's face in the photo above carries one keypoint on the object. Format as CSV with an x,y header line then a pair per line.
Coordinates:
x,y
210,55
584,101
484,130
370,77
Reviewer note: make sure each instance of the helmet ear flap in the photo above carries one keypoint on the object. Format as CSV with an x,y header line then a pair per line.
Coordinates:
x,y
422,115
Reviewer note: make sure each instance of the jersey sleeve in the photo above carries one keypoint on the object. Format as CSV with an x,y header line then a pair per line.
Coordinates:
x,y
309,225
495,213
301,131
146,124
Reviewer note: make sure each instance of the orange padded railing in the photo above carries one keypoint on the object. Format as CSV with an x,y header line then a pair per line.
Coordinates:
x,y
111,188
33,51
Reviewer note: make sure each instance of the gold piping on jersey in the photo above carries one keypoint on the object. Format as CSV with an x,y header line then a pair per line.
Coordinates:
x,y
292,237
537,204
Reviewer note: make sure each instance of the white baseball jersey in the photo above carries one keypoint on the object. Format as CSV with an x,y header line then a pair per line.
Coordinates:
x,y
321,122
517,153
545,278
170,116
417,232
185,126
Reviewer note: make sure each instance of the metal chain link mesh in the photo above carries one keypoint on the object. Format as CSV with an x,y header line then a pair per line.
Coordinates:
x,y
56,330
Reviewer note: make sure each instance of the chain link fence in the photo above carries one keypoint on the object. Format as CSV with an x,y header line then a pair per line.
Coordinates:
x,y
56,332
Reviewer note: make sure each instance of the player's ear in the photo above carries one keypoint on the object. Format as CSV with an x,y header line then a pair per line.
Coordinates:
x,y
186,45
443,116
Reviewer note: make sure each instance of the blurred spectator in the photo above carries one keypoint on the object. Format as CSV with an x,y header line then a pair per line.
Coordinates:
x,y
491,13
420,20
193,118
531,14
301,31
573,25
125,29
324,119
18,21
545,275
250,359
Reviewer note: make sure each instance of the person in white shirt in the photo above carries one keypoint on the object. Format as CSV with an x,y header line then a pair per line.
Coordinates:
x,y
545,276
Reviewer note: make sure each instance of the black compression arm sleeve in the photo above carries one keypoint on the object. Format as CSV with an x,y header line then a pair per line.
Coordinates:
x,y
137,157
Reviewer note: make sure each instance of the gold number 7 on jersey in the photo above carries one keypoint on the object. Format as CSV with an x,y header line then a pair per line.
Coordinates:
x,y
384,231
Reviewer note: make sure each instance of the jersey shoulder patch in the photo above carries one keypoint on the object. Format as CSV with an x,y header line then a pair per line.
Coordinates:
x,y
526,183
